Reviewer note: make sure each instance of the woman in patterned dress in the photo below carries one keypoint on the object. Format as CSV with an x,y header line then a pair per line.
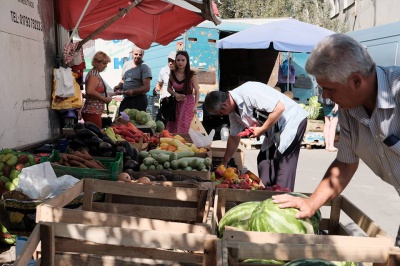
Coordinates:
x,y
184,86
95,90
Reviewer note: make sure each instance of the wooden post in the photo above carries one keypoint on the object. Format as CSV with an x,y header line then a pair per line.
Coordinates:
x,y
108,23
47,238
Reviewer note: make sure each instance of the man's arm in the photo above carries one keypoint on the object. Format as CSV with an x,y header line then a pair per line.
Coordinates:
x,y
141,90
273,117
231,147
336,178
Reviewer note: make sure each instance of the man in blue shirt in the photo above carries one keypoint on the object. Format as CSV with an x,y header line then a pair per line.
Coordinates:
x,y
265,111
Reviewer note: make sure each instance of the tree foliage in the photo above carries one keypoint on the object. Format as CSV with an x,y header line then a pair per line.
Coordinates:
x,y
315,12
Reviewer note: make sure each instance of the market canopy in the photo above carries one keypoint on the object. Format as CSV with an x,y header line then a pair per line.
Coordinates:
x,y
288,35
140,21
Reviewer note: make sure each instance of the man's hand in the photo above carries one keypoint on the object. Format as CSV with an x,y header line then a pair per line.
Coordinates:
x,y
118,87
304,205
127,93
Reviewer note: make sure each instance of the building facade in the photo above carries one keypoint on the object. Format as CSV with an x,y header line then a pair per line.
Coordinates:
x,y
364,14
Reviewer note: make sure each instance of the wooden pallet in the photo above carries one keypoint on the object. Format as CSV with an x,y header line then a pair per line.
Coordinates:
x,y
249,144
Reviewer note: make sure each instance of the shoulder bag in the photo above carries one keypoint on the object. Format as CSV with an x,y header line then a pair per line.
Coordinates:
x,y
105,121
168,108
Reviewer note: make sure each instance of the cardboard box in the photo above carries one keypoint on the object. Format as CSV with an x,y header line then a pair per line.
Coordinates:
x,y
335,243
238,157
315,125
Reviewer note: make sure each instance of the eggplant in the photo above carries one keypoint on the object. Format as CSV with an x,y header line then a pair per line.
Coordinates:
x,y
131,164
94,128
131,173
108,154
135,154
105,146
78,126
95,151
94,140
108,140
161,178
85,133
120,149
70,136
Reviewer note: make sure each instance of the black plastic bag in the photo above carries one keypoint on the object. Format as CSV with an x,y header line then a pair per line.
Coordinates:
x,y
106,122
168,108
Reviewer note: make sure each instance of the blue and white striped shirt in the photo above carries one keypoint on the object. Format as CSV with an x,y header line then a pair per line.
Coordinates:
x,y
362,136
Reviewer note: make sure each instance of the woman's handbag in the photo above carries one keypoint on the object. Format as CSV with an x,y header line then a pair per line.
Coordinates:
x,y
168,108
106,121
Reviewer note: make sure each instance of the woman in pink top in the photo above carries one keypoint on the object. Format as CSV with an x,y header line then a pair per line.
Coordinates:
x,y
184,86
95,90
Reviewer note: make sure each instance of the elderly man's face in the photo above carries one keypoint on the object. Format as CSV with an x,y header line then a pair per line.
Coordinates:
x,y
346,95
137,56
225,109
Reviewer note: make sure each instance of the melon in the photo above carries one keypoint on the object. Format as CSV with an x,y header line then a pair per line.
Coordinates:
x,y
268,217
310,262
240,213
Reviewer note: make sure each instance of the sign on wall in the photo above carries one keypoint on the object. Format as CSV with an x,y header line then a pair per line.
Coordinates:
x,y
21,17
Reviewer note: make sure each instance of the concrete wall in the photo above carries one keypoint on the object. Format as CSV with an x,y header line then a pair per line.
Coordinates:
x,y
28,55
364,14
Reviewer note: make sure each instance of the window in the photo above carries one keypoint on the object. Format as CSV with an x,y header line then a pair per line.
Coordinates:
x,y
335,7
347,3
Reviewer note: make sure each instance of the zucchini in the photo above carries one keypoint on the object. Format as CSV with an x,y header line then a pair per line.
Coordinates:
x,y
173,156
143,167
148,161
174,165
183,154
159,167
143,154
182,164
207,162
167,165
155,151
162,158
201,166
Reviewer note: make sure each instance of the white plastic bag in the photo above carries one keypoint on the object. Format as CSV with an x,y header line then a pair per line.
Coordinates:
x,y
201,140
40,181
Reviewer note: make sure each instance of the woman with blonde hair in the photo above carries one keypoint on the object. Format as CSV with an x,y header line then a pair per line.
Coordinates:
x,y
95,90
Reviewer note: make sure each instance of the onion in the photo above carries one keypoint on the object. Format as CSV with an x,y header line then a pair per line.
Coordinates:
x,y
144,180
125,177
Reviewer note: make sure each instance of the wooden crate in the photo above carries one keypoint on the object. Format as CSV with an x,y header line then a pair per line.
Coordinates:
x,y
168,201
336,243
218,154
250,144
315,125
79,244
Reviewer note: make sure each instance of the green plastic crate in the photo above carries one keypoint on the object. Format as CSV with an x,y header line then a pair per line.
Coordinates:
x,y
114,165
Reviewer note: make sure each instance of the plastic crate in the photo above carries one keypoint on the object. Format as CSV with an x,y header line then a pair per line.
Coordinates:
x,y
114,167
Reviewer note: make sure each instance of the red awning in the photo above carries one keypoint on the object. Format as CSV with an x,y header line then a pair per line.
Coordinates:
x,y
149,21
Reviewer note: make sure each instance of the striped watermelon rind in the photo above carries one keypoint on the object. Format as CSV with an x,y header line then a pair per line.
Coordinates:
x,y
239,213
268,217
263,261
310,262
316,218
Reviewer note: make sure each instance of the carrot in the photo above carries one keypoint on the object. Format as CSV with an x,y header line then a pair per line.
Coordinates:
x,y
82,155
92,164
77,163
75,158
67,163
64,156
101,164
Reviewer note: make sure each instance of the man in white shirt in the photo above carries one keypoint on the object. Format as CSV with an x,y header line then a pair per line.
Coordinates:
x,y
162,82
263,110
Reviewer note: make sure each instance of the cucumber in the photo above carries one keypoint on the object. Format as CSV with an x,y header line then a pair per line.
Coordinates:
x,y
182,154
148,161
155,151
174,165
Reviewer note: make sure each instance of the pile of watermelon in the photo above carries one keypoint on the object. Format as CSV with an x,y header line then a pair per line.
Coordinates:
x,y
266,216
314,108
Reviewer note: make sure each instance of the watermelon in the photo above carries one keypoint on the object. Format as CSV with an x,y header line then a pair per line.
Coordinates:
x,y
313,101
262,261
240,213
268,217
310,262
345,263
316,218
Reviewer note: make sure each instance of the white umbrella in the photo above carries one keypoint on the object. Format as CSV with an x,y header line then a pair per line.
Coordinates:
x,y
288,35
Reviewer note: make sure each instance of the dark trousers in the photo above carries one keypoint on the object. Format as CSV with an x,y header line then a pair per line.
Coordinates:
x,y
275,168
136,102
397,243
